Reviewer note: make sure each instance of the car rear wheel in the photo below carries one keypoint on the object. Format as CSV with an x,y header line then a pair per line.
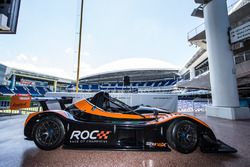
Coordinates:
x,y
49,133
182,136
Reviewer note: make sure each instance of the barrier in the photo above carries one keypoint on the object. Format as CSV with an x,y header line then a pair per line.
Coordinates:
x,y
5,102
18,104
195,106
165,101
20,101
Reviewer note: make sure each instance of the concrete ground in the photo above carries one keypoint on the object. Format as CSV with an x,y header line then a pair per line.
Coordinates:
x,y
15,151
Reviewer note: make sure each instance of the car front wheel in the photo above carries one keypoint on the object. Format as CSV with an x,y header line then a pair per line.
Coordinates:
x,y
182,136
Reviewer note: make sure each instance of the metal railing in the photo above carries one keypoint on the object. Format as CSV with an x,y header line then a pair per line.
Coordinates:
x,y
195,106
5,108
242,57
195,31
201,71
4,104
23,111
243,3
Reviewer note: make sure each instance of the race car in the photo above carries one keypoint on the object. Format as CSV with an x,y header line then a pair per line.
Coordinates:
x,y
106,123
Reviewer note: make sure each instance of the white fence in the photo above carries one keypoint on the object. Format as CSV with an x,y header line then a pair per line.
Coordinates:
x,y
195,106
165,101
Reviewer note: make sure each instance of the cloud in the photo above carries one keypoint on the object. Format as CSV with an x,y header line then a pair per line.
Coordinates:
x,y
22,57
85,54
26,58
69,51
52,71
31,63
85,69
152,28
34,59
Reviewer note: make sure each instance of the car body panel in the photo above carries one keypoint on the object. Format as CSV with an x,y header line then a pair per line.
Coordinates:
x,y
89,126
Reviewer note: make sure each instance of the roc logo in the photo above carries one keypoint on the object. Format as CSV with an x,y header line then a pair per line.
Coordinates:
x,y
95,134
103,135
152,144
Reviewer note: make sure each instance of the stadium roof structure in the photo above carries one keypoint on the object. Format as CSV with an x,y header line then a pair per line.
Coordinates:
x,y
138,69
40,76
239,4
33,75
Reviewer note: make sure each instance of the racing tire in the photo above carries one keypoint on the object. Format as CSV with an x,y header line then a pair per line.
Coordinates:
x,y
49,133
182,136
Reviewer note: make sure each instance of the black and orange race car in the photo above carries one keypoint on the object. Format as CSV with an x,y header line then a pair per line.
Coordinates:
x,y
105,122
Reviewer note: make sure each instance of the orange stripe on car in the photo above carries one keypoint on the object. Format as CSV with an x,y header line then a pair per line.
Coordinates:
x,y
87,107
32,115
169,117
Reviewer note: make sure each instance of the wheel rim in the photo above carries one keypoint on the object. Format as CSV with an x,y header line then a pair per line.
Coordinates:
x,y
187,136
48,133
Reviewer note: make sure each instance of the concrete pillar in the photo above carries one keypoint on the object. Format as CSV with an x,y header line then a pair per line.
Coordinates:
x,y
13,82
221,65
192,72
55,85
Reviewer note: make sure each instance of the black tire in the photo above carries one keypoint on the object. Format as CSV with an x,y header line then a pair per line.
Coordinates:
x,y
49,133
182,136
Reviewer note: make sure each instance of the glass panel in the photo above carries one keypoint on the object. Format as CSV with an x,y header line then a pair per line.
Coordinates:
x,y
247,55
239,59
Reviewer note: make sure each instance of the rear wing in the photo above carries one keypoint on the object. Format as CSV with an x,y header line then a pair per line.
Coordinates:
x,y
53,103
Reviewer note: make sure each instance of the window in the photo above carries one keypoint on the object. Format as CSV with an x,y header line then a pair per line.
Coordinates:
x,y
9,11
247,55
239,59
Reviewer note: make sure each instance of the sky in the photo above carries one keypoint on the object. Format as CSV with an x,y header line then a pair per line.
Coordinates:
x,y
47,34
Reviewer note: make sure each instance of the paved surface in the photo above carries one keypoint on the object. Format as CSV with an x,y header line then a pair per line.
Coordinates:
x,y
15,151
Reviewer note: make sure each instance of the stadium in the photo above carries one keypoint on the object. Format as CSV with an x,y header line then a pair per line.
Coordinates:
x,y
141,73
17,81
213,85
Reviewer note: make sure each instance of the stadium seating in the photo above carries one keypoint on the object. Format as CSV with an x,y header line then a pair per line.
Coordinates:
x,y
141,84
48,89
113,87
41,90
5,90
169,82
162,83
149,83
118,86
84,87
174,82
20,90
33,92
156,84
113,84
94,87
70,86
105,85
135,84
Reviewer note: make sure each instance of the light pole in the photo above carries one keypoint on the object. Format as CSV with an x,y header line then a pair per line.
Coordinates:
x,y
79,48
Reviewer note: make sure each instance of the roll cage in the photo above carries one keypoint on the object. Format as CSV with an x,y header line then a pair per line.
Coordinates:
x,y
104,101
